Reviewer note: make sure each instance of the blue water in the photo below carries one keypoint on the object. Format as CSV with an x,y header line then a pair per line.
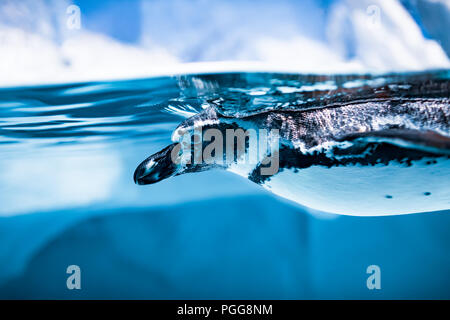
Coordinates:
x,y
67,196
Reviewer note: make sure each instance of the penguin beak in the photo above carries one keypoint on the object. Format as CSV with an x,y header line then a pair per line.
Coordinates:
x,y
157,167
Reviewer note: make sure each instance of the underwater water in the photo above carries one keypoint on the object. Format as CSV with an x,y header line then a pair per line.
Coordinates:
x,y
67,197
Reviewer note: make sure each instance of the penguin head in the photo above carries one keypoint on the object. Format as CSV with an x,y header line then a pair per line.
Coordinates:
x,y
205,141
182,155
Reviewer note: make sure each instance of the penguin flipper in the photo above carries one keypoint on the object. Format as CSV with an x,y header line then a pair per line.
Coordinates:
x,y
427,138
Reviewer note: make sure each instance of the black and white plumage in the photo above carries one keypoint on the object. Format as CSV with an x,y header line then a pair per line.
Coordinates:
x,y
373,156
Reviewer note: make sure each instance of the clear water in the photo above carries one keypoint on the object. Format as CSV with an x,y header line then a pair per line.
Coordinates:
x,y
67,196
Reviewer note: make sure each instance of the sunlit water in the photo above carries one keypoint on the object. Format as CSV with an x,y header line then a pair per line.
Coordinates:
x,y
67,196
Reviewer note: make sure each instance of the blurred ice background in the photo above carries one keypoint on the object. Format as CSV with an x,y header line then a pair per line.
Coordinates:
x,y
139,38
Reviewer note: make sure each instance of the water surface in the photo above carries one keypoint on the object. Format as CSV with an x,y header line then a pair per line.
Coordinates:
x,y
67,196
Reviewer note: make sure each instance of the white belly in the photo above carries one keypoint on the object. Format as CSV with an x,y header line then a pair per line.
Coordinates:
x,y
367,190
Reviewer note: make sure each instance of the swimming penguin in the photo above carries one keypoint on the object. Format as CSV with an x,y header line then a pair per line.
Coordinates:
x,y
363,157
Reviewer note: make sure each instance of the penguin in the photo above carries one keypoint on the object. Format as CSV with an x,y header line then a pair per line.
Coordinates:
x,y
364,157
